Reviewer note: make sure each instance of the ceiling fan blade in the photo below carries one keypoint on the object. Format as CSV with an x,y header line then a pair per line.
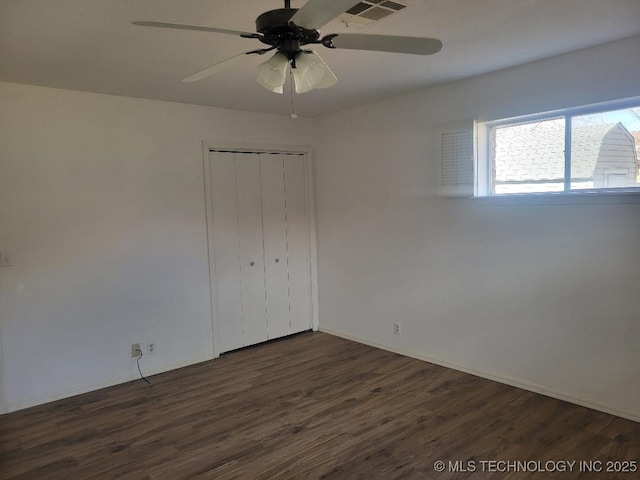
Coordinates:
x,y
316,13
198,28
218,67
387,43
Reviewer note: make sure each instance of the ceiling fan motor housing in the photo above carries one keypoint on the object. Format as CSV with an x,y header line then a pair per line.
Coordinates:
x,y
277,31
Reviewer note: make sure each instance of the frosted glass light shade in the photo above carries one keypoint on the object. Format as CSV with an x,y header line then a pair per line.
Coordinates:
x,y
273,73
311,72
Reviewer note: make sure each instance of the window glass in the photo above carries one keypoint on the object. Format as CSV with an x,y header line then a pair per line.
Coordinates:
x,y
604,149
528,157
575,150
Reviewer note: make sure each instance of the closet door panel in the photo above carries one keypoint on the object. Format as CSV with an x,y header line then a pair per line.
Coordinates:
x,y
228,300
275,245
297,243
252,277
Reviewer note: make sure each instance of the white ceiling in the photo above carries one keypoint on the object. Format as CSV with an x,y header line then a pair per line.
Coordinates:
x,y
91,45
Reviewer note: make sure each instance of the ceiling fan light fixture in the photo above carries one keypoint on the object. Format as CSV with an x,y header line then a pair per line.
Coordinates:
x,y
273,73
311,72
289,31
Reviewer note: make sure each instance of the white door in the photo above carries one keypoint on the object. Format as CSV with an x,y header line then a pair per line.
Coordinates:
x,y
251,247
297,244
275,246
260,247
224,236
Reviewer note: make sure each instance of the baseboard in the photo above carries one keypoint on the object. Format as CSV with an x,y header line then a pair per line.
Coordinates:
x,y
531,387
92,388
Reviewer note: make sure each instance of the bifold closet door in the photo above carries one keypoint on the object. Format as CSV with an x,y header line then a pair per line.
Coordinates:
x,y
238,249
224,207
251,246
297,243
260,246
275,245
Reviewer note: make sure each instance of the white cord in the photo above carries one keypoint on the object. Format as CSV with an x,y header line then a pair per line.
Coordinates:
x,y
293,113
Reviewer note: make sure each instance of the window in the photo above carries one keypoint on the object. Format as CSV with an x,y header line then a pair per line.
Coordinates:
x,y
579,150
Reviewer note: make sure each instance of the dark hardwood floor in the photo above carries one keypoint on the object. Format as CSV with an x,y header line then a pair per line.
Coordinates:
x,y
313,406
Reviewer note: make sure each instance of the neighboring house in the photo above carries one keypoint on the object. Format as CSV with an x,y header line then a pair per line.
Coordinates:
x,y
530,157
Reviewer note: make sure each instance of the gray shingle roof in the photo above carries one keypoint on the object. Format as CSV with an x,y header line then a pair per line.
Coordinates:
x,y
535,151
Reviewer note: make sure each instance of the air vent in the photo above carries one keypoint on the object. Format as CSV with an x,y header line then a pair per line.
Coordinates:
x,y
369,11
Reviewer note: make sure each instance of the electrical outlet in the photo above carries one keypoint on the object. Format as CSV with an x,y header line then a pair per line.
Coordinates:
x,y
135,350
396,328
5,259
151,348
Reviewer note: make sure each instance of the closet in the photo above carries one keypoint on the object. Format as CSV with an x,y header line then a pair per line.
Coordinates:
x,y
260,243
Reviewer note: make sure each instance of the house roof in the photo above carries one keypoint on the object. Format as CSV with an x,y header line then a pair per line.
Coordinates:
x,y
535,151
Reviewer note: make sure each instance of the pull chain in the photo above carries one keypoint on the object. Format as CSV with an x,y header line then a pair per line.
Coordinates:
x,y
293,113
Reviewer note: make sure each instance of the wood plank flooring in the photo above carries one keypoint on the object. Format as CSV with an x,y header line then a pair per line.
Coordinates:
x,y
311,406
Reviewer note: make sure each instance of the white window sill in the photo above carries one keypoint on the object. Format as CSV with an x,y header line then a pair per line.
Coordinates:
x,y
575,198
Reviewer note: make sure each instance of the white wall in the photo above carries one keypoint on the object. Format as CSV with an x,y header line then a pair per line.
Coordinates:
x,y
541,296
102,209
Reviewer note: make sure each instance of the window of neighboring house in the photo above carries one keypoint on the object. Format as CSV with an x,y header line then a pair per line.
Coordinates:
x,y
579,150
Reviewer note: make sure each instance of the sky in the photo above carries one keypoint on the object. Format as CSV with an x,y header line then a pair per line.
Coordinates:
x,y
630,118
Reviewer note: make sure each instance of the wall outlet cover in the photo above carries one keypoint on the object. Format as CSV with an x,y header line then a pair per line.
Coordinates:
x,y
5,259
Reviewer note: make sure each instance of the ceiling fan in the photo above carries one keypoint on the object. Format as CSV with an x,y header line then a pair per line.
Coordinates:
x,y
289,30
